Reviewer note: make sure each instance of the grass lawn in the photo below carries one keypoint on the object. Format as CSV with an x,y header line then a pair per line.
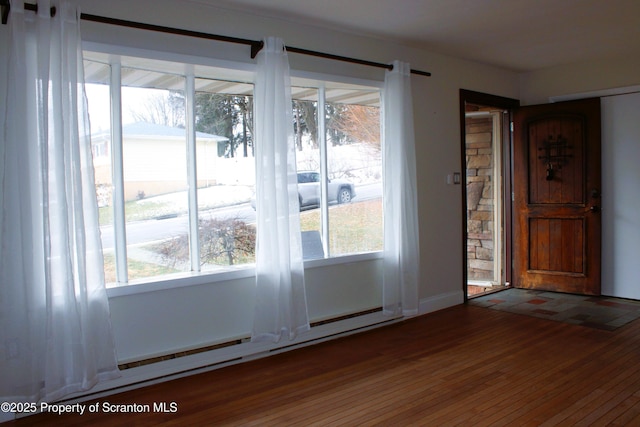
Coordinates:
x,y
354,227
137,269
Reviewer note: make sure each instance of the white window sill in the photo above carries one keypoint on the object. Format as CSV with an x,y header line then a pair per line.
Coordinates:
x,y
180,280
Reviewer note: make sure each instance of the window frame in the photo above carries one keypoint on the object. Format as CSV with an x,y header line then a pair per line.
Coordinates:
x,y
190,63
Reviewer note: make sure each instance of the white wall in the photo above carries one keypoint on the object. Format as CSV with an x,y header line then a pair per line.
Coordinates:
x,y
171,320
538,86
621,195
164,321
620,156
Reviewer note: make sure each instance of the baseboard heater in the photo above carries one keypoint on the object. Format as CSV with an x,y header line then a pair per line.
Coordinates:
x,y
181,364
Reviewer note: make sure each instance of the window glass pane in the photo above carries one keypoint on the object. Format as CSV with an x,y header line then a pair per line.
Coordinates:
x,y
225,172
305,126
155,173
351,121
354,160
97,88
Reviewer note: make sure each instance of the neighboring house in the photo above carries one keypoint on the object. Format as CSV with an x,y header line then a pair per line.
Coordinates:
x,y
150,165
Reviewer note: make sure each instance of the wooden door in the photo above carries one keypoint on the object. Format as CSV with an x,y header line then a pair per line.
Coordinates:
x,y
556,199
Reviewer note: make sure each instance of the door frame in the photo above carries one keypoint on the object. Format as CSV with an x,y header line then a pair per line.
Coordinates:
x,y
507,104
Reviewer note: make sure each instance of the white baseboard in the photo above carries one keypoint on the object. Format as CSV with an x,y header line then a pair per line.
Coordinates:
x,y
441,301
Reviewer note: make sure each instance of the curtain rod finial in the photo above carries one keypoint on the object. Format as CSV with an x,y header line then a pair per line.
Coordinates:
x,y
255,48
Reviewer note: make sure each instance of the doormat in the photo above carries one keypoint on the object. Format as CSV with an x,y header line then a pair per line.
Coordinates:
x,y
600,312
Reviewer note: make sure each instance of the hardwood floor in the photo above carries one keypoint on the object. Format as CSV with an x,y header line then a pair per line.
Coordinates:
x,y
466,365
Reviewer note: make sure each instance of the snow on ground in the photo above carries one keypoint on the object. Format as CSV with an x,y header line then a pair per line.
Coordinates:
x,y
208,198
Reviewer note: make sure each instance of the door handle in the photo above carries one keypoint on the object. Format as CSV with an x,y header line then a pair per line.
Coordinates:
x,y
594,209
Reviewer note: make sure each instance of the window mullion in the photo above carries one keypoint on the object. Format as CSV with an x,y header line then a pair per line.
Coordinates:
x,y
324,192
119,223
190,118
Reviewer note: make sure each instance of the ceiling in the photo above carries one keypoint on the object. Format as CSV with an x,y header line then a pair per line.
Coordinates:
x,y
521,35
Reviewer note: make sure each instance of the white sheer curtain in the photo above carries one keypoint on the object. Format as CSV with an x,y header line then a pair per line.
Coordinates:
x,y
401,247
56,331
281,303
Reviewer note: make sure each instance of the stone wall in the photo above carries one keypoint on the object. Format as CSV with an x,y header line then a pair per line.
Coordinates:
x,y
480,221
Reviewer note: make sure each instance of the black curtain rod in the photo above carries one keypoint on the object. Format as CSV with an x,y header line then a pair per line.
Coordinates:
x,y
5,7
256,46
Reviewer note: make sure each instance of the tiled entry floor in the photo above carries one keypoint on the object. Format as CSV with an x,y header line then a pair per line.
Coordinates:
x,y
597,312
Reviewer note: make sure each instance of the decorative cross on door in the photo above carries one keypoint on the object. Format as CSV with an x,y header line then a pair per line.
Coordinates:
x,y
555,154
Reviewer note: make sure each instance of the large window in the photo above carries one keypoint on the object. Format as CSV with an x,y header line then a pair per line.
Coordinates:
x,y
175,170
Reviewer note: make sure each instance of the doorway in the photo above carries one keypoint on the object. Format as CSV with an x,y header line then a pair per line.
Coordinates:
x,y
483,179
486,165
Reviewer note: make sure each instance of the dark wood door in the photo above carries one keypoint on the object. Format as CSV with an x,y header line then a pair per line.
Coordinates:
x,y
556,200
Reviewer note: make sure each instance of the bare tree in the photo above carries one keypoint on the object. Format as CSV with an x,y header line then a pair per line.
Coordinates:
x,y
163,108
359,123
305,121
